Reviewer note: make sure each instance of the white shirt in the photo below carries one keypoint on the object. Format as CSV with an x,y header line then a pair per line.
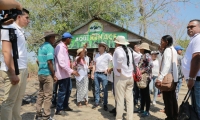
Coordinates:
x,y
137,57
102,62
168,63
21,44
156,67
193,47
87,60
120,62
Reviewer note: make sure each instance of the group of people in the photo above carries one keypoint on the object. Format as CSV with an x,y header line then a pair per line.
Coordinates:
x,y
56,68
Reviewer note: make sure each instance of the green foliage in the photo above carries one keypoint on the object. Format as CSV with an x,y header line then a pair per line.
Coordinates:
x,y
183,43
64,15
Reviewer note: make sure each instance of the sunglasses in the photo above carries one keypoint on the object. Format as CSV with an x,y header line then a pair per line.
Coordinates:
x,y
192,26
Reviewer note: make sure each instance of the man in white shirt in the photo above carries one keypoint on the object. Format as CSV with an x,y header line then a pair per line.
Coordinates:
x,y
99,73
123,75
191,61
15,85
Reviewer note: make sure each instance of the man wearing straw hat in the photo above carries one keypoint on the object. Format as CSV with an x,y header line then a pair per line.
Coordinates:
x,y
46,75
99,73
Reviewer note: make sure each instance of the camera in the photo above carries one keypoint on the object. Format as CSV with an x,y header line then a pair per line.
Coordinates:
x,y
12,14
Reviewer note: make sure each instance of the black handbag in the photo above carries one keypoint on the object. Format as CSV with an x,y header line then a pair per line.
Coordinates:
x,y
187,111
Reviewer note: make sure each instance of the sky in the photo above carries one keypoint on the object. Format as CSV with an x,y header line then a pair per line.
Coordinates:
x,y
189,11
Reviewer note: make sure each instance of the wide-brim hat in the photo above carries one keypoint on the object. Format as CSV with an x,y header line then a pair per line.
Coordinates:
x,y
80,50
121,40
145,46
105,45
49,33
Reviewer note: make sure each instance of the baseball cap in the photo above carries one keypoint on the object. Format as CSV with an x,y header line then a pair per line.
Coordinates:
x,y
178,47
67,35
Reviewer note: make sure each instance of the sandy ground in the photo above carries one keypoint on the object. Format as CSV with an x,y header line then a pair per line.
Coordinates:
x,y
86,113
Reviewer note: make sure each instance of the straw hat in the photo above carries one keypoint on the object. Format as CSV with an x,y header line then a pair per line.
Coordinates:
x,y
145,46
49,33
105,45
80,50
121,40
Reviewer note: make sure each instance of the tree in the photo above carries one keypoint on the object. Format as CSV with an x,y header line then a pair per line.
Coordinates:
x,y
65,15
153,12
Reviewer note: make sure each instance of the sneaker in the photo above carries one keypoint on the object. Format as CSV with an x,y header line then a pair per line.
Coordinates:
x,y
50,118
145,114
105,107
95,106
154,102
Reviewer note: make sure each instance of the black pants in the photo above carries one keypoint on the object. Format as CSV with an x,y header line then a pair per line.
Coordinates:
x,y
171,105
145,98
136,94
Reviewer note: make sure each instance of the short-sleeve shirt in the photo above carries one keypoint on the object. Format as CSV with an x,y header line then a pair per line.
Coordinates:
x,y
192,48
21,45
102,61
45,53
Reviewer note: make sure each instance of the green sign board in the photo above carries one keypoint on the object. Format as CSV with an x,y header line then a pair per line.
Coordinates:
x,y
92,38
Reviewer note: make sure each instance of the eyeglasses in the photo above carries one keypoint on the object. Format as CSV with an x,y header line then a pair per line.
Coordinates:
x,y
192,26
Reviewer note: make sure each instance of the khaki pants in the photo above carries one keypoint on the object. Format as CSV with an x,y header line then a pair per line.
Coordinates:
x,y
13,95
44,95
124,89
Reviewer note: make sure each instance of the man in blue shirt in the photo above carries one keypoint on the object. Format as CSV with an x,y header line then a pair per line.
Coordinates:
x,y
46,75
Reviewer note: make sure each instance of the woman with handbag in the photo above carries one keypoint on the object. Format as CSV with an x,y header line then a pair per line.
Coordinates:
x,y
168,77
145,66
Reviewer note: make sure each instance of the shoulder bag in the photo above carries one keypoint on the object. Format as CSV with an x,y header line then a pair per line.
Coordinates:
x,y
167,83
136,72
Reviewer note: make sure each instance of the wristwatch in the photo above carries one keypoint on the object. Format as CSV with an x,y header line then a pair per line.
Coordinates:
x,y
190,78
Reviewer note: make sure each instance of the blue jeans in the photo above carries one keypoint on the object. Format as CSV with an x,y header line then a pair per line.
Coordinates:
x,y
55,89
152,86
197,96
97,79
155,89
178,87
63,94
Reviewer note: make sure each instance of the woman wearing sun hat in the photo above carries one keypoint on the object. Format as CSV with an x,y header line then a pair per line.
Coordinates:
x,y
145,66
82,80
123,68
